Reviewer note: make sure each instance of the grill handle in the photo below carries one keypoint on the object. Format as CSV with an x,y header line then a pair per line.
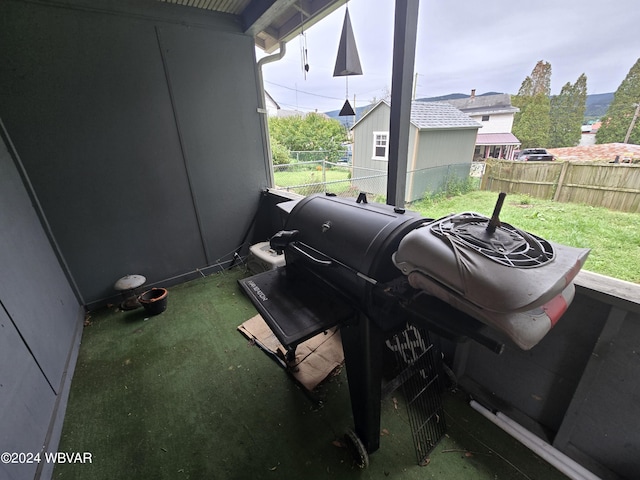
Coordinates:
x,y
328,263
311,258
281,239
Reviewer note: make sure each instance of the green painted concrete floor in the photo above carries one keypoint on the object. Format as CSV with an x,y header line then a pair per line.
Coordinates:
x,y
183,395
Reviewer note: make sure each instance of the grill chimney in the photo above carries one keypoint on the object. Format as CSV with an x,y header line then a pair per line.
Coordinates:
x,y
473,93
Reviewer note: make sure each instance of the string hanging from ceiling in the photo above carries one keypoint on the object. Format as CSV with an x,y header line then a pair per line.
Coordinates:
x,y
347,60
304,53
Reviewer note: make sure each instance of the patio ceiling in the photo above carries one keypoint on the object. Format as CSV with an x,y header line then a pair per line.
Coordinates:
x,y
269,21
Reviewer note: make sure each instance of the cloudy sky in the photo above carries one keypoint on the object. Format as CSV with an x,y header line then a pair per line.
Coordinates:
x,y
489,45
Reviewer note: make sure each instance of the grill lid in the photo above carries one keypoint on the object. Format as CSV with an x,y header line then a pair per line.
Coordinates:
x,y
360,236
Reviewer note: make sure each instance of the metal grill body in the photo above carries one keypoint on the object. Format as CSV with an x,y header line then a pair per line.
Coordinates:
x,y
389,277
339,260
348,246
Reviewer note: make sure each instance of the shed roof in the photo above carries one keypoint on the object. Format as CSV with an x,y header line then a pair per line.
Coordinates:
x,y
432,116
439,115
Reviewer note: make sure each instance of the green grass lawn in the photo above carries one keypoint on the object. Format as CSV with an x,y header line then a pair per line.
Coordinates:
x,y
303,177
311,177
613,237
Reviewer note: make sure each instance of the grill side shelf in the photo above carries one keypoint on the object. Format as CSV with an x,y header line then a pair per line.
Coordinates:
x,y
295,310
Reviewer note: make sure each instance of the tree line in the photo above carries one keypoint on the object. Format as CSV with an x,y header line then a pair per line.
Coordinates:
x,y
552,121
310,132
544,120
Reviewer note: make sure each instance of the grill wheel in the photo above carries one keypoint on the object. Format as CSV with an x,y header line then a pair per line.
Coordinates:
x,y
357,449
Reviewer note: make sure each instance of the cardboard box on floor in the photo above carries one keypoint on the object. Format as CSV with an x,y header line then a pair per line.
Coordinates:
x,y
315,359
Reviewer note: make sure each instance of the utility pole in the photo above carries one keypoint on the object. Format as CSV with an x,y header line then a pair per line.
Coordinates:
x,y
633,123
415,86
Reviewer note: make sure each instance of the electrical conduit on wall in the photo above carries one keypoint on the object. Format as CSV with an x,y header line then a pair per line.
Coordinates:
x,y
547,452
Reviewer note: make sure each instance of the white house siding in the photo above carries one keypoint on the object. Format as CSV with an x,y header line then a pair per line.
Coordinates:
x,y
498,123
272,106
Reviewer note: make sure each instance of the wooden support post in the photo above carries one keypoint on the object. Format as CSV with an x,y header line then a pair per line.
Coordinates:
x,y
404,52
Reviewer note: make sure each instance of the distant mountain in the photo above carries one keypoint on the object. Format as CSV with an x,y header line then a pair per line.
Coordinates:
x,y
349,121
596,106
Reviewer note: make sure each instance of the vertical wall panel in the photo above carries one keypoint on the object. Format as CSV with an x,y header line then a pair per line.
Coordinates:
x,y
84,97
536,386
603,422
213,83
39,318
26,402
33,288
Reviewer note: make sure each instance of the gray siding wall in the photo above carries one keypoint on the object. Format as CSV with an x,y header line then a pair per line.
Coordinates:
x,y
446,147
40,324
137,125
578,388
434,156
377,120
441,155
364,165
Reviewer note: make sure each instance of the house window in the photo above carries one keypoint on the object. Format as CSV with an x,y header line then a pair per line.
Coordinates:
x,y
380,144
485,118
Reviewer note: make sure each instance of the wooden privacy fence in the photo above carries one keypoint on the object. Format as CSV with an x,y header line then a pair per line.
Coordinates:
x,y
614,186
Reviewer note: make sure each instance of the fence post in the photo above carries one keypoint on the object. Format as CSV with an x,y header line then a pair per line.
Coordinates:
x,y
324,174
563,173
484,182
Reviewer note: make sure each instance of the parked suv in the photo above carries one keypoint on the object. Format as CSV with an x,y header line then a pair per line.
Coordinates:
x,y
535,154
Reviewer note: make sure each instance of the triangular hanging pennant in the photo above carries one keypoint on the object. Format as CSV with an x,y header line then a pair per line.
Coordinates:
x,y
348,61
347,110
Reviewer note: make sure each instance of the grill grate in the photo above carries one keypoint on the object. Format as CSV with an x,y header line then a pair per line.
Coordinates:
x,y
421,378
506,245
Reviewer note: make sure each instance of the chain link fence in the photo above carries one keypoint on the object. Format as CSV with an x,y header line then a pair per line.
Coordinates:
x,y
322,176
346,180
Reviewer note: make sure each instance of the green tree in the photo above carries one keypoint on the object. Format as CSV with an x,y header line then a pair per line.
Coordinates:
x,y
617,120
567,114
312,132
539,82
532,123
279,153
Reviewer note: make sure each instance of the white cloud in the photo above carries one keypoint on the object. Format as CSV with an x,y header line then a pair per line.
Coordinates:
x,y
490,46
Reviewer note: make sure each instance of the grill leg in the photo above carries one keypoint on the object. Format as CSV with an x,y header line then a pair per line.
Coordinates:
x,y
363,344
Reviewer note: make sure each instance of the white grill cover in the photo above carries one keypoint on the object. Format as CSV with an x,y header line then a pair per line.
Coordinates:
x,y
522,302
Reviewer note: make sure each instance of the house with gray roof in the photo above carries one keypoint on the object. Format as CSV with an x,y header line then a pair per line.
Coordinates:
x,y
495,113
441,145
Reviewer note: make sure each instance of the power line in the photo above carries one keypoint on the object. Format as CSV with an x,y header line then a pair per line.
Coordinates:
x,y
302,91
300,108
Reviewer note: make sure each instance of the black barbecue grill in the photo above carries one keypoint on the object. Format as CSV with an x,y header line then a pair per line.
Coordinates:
x,y
388,277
